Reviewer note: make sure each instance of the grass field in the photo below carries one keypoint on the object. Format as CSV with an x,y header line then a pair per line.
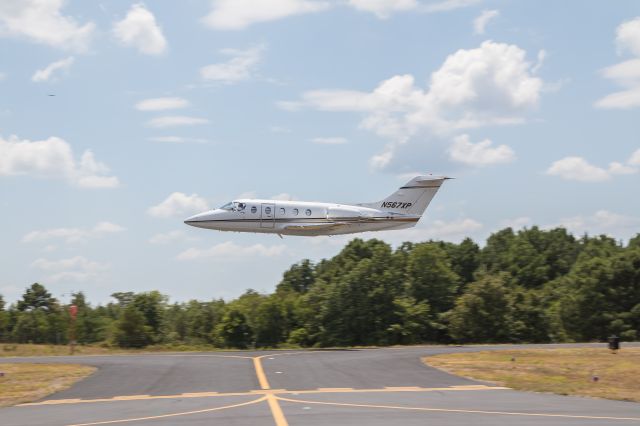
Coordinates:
x,y
15,349
29,382
18,349
561,371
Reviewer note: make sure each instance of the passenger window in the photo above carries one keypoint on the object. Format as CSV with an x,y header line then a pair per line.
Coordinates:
x,y
267,210
282,211
254,209
295,212
307,212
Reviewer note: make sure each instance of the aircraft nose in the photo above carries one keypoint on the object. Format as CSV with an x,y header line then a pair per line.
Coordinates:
x,y
193,220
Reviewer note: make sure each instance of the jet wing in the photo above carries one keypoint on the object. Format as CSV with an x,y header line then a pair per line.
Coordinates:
x,y
316,226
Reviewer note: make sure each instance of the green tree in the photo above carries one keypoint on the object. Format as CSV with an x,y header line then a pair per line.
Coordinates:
x,y
37,297
430,278
4,321
601,294
269,323
152,305
130,329
412,323
299,278
91,327
356,306
233,330
481,314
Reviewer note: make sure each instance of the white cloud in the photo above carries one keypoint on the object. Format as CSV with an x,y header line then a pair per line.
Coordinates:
x,y
42,21
479,154
2,76
175,120
160,104
230,250
628,36
480,23
448,5
383,8
551,87
490,85
179,204
601,222
241,66
454,230
46,73
73,235
616,168
626,73
176,139
239,14
77,268
283,196
330,141
139,29
516,223
577,168
53,158
247,194
171,237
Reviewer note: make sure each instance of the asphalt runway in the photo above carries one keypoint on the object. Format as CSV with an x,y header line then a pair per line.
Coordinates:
x,y
337,387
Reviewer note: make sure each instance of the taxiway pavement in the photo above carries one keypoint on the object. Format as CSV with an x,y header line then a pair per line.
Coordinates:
x,y
323,387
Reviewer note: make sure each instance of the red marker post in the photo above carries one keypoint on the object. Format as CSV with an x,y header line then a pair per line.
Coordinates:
x,y
73,313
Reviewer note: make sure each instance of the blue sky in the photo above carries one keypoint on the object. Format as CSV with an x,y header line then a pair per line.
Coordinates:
x,y
162,110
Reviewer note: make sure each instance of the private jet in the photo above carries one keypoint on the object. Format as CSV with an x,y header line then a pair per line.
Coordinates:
x,y
400,210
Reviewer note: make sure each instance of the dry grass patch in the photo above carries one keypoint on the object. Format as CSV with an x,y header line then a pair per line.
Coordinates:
x,y
30,382
561,371
25,349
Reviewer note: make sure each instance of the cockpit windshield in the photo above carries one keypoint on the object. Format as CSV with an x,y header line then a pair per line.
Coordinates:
x,y
234,206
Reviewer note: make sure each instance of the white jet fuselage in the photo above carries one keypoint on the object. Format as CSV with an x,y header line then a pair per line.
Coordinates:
x,y
300,218
402,209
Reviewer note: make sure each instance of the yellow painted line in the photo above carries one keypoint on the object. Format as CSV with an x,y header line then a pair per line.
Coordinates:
x,y
262,378
471,386
164,416
402,388
257,392
131,397
276,410
334,389
267,391
452,410
198,394
274,406
390,389
57,401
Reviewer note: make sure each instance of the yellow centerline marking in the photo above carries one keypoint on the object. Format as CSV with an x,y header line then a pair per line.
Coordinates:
x,y
334,389
453,410
276,410
274,406
131,397
262,378
164,416
122,398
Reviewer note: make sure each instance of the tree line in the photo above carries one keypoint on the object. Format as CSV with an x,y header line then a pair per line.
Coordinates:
x,y
532,285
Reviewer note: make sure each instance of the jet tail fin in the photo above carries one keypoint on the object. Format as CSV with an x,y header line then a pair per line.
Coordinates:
x,y
411,198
